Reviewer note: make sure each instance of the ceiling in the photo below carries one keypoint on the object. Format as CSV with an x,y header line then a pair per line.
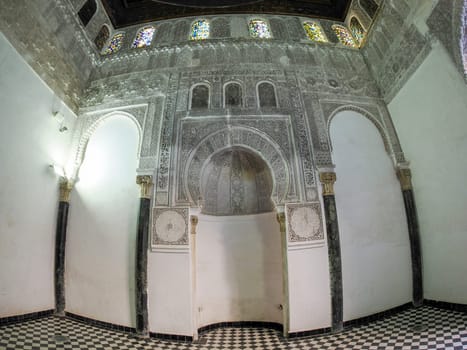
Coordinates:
x,y
125,13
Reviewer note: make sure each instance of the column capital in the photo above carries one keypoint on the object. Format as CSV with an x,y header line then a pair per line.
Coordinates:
x,y
405,178
281,220
145,182
65,189
327,181
194,223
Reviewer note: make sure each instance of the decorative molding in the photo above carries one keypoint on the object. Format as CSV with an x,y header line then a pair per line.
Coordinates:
x,y
327,181
145,182
194,223
304,222
405,178
170,227
66,186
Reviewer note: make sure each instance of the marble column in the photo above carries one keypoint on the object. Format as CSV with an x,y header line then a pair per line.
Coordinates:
x,y
60,240
334,250
405,178
285,273
142,237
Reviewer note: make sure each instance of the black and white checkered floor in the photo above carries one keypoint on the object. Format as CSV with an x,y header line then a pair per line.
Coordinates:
x,y
423,328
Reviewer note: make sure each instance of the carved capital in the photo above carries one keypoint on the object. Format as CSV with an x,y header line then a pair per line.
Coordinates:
x,y
145,182
194,223
327,181
405,178
65,189
281,220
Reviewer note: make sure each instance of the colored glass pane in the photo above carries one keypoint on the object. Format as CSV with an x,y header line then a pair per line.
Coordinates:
x,y
200,30
344,36
357,30
102,37
314,32
115,44
259,29
144,37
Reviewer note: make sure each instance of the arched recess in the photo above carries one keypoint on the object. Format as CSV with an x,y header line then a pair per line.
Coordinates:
x,y
233,94
86,135
267,94
237,137
238,241
236,181
384,136
200,96
101,238
375,249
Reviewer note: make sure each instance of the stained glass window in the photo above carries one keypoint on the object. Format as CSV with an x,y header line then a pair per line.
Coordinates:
x,y
344,35
259,29
102,37
314,32
144,37
200,30
115,44
357,30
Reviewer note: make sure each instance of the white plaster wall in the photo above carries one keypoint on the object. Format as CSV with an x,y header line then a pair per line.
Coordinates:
x,y
100,248
239,269
169,293
309,293
376,263
29,142
430,115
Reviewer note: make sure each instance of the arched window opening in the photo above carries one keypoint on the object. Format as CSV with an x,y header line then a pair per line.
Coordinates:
x,y
87,11
314,32
102,37
200,30
357,30
344,36
233,95
369,6
143,37
200,96
267,95
259,29
115,44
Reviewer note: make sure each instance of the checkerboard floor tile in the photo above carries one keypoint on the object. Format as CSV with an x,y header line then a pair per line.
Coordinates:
x,y
421,329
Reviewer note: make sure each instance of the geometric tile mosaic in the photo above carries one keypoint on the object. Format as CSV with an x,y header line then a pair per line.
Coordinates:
x,y
423,328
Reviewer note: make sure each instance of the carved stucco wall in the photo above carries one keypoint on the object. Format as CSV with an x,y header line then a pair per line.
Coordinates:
x,y
395,46
312,83
447,22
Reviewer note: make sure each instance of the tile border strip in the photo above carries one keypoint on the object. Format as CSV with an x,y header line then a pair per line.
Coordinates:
x,y
446,305
25,317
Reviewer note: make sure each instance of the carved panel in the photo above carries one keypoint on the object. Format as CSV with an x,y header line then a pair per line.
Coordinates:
x,y
304,222
170,226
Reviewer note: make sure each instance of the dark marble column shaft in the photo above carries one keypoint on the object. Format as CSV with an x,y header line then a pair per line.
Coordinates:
x,y
405,178
60,242
142,237
415,247
141,267
334,250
